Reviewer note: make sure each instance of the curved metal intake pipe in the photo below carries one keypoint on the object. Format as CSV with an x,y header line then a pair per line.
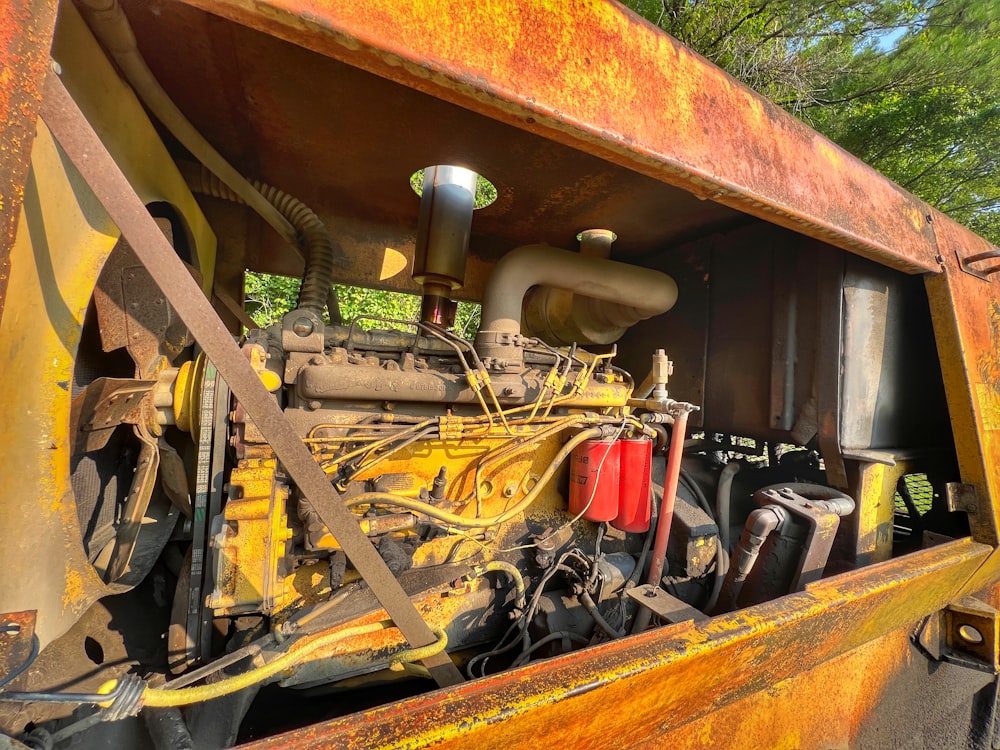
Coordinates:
x,y
620,296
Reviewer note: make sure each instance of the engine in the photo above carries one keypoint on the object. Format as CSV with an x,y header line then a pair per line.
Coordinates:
x,y
517,485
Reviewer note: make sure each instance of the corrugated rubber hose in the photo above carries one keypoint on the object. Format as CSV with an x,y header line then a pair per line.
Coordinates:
x,y
317,289
110,25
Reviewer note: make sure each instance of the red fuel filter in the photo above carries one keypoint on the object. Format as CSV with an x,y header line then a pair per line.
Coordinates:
x,y
636,459
593,480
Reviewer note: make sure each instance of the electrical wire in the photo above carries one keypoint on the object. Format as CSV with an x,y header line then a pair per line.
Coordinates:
x,y
597,475
32,655
558,635
721,568
591,606
520,625
384,498
128,694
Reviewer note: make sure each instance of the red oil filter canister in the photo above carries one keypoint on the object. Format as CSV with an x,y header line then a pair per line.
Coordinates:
x,y
593,480
636,458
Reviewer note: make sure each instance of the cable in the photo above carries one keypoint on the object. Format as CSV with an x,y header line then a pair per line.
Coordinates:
x,y
514,445
591,606
723,498
373,498
556,636
130,693
647,543
521,624
699,495
721,569
310,234
597,474
32,655
499,566
121,697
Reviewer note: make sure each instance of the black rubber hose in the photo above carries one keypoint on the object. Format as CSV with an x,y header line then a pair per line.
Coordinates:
x,y
696,490
723,500
317,289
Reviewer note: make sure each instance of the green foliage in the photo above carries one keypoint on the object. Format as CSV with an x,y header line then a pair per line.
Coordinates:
x,y
910,86
268,297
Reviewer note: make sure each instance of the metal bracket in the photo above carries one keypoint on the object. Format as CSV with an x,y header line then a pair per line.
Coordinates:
x,y
136,504
966,498
17,631
302,331
961,497
105,404
965,633
981,272
663,605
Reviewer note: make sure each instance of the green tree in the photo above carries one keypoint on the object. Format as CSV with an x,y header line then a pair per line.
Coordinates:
x,y
910,86
268,297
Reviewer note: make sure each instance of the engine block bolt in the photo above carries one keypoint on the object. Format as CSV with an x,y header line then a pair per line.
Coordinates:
x,y
302,326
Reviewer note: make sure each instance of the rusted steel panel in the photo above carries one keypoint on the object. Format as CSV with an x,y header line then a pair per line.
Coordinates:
x,y
17,641
663,678
966,314
596,77
26,28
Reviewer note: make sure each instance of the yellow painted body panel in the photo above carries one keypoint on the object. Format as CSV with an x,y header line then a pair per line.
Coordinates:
x,y
63,239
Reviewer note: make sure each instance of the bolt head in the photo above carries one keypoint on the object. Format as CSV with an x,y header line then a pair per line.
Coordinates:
x,y
302,326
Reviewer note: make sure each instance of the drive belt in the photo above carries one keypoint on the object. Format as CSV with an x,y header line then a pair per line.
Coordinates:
x,y
98,168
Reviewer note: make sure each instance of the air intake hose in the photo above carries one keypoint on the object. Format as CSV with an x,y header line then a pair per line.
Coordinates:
x,y
317,281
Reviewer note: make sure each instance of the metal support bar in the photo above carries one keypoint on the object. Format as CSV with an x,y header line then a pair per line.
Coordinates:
x,y
98,168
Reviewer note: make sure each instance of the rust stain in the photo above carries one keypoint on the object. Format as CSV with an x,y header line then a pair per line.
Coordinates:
x,y
594,77
26,29
966,314
666,677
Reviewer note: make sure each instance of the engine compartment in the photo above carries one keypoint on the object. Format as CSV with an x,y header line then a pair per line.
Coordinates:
x,y
663,433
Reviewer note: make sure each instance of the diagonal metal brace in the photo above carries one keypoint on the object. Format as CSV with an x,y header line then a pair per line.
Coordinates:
x,y
99,170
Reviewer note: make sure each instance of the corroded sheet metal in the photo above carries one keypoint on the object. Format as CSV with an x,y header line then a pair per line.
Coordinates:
x,y
966,314
26,28
596,77
17,632
649,685
62,241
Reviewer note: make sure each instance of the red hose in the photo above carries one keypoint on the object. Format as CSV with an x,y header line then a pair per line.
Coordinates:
x,y
669,497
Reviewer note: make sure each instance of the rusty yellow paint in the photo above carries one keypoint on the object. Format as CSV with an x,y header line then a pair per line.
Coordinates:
x,y
441,608
187,392
251,545
595,77
256,539
501,484
874,487
989,406
681,673
63,238
966,315
120,120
